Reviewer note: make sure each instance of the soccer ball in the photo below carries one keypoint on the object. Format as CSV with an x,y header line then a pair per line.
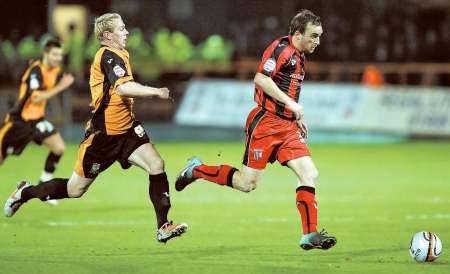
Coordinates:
x,y
425,247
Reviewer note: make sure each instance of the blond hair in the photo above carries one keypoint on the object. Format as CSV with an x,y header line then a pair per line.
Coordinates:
x,y
105,23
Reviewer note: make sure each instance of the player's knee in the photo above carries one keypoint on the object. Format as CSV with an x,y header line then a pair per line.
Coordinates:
x,y
75,191
157,166
59,149
310,177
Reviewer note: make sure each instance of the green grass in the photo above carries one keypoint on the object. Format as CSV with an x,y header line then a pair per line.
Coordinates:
x,y
372,197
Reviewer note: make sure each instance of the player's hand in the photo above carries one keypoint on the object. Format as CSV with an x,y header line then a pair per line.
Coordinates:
x,y
66,80
303,128
296,108
164,93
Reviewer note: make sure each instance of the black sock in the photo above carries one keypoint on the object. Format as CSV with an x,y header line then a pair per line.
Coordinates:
x,y
51,162
50,190
159,195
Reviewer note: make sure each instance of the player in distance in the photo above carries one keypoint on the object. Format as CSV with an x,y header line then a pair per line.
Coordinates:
x,y
43,79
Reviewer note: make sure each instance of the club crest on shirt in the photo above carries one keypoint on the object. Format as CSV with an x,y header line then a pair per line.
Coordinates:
x,y
270,65
118,71
95,168
293,61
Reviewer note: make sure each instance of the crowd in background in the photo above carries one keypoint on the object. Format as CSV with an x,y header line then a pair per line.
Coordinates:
x,y
180,32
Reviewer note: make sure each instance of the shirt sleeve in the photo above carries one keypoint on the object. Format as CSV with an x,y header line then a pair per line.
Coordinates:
x,y
34,80
115,70
272,59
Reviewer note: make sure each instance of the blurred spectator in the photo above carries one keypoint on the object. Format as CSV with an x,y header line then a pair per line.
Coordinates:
x,y
372,76
28,48
215,48
74,48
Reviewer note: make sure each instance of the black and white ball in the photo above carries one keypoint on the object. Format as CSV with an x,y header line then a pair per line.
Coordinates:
x,y
425,247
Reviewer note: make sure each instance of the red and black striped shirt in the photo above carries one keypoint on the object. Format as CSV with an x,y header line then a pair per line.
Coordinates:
x,y
286,66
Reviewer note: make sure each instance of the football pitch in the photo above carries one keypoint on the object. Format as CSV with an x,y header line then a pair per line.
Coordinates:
x,y
373,198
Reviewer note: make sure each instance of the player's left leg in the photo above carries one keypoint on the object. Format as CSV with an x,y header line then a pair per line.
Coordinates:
x,y
306,202
148,158
56,145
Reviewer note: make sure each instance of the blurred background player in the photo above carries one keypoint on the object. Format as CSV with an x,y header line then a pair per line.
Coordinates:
x,y
26,122
275,129
112,134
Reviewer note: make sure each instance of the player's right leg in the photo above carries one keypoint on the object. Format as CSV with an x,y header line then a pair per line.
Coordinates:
x,y
55,189
244,180
256,156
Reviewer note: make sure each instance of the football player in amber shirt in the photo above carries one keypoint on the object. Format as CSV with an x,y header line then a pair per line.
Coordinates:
x,y
112,134
26,122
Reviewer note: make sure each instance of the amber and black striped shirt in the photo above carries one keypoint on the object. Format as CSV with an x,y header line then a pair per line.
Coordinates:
x,y
112,114
37,78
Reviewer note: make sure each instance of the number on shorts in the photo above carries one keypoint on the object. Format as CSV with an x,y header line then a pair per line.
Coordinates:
x,y
44,126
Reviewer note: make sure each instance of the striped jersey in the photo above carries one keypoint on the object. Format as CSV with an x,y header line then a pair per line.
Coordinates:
x,y
112,113
283,63
37,78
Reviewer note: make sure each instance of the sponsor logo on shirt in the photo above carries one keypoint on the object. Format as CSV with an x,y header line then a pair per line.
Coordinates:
x,y
298,76
34,82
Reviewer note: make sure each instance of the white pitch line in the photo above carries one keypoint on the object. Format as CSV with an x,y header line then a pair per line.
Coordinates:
x,y
436,216
97,223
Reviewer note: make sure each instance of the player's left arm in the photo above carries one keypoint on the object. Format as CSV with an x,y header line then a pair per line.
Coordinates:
x,y
40,95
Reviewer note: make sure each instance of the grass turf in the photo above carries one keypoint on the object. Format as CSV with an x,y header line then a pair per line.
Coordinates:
x,y
373,198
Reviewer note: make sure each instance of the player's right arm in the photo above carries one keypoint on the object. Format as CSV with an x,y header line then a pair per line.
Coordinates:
x,y
40,95
118,75
270,88
134,89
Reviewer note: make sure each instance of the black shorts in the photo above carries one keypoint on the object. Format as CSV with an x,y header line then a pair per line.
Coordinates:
x,y
15,135
99,151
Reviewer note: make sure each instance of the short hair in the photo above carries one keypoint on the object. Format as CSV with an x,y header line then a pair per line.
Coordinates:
x,y
105,23
52,43
301,20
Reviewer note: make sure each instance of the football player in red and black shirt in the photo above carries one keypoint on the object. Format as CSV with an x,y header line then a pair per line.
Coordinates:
x,y
275,128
